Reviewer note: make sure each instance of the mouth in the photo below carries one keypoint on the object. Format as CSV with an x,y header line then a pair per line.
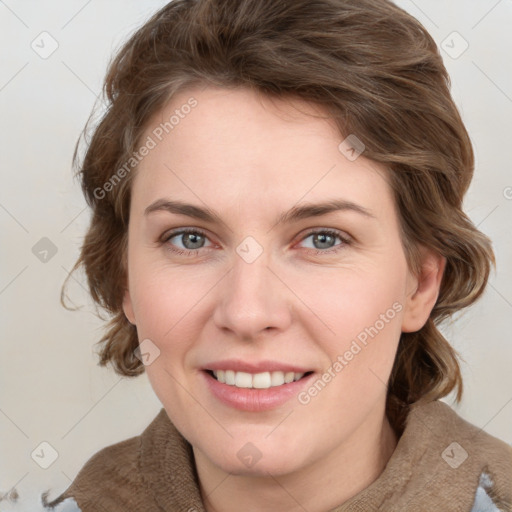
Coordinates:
x,y
255,391
262,380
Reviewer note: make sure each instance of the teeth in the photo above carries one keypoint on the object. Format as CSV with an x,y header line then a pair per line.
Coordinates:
x,y
243,380
263,380
229,377
277,378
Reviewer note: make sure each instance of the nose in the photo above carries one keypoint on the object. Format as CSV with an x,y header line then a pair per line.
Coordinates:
x,y
253,299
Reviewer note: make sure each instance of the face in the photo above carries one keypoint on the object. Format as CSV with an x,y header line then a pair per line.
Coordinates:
x,y
264,289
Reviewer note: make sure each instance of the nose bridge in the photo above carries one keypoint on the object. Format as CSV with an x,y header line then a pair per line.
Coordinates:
x,y
252,298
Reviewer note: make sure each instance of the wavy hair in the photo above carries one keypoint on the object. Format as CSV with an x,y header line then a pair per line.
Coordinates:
x,y
378,74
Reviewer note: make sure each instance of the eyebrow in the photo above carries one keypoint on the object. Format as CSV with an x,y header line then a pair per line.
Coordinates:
x,y
294,214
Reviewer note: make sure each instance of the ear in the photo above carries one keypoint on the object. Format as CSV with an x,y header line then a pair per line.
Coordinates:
x,y
128,307
423,290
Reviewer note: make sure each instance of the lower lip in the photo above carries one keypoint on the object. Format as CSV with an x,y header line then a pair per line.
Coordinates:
x,y
255,400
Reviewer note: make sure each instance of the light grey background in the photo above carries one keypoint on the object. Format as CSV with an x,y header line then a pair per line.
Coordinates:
x,y
51,387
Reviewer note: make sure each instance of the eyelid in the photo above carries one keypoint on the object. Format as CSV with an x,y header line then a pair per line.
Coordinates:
x,y
345,238
182,231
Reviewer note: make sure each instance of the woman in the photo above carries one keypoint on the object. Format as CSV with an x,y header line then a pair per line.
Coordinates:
x,y
277,232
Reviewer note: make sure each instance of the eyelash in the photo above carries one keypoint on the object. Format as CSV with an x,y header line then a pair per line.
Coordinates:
x,y
193,252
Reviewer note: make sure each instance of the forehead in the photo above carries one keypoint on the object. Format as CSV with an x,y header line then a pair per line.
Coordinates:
x,y
224,145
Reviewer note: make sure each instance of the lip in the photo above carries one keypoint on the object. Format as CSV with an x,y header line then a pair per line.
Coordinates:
x,y
254,400
255,367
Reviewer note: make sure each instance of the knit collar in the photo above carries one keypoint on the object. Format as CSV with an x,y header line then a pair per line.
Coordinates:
x,y
438,460
168,466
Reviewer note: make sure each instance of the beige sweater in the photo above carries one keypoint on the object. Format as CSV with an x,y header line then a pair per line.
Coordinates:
x,y
441,463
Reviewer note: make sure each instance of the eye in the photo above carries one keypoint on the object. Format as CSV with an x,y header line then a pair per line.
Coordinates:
x,y
323,240
191,240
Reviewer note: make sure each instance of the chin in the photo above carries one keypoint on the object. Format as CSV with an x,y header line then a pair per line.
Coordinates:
x,y
248,460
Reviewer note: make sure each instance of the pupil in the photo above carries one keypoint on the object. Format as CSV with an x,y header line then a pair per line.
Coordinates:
x,y
190,237
323,237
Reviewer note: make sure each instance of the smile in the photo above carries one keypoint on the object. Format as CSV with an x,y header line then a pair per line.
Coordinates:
x,y
255,392
263,380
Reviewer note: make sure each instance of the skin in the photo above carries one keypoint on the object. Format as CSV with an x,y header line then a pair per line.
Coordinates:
x,y
298,302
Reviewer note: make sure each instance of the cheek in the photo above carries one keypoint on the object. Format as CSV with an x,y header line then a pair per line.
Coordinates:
x,y
364,311
348,300
167,307
362,305
168,304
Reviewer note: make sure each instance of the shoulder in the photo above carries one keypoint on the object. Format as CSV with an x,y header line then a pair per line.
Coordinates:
x,y
446,423
112,479
470,456
103,481
116,462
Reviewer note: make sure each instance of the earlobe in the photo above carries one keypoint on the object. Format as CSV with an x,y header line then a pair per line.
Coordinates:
x,y
127,307
423,291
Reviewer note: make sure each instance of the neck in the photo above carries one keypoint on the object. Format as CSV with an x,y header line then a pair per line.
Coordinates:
x,y
319,487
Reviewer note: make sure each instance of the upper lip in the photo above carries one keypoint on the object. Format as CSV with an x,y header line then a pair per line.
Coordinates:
x,y
255,366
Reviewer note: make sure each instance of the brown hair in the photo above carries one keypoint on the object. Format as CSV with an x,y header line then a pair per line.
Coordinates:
x,y
378,74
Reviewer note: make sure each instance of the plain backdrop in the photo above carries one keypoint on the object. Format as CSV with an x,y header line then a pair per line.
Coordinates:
x,y
51,389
